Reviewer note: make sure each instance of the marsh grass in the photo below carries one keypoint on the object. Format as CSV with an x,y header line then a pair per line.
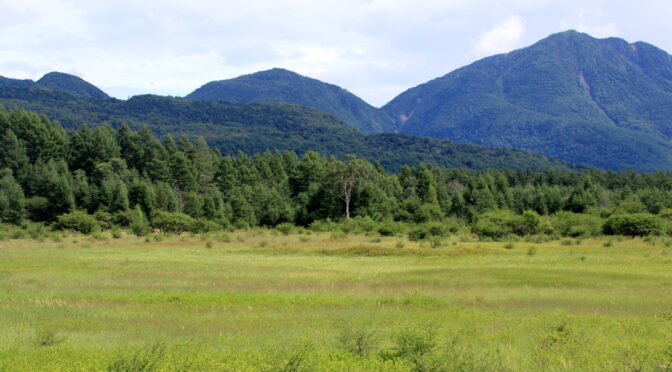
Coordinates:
x,y
242,307
47,336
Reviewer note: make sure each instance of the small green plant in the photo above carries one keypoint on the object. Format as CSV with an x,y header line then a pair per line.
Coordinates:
x,y
99,236
376,240
158,238
262,244
304,239
412,344
532,250
138,360
435,242
224,238
509,245
608,244
358,341
294,361
582,258
208,245
116,234
337,235
567,242
400,244
286,228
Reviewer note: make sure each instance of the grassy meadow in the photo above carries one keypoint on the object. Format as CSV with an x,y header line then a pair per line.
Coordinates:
x,y
259,300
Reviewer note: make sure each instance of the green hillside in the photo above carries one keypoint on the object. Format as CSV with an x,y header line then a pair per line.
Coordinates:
x,y
604,102
253,128
59,82
282,86
71,84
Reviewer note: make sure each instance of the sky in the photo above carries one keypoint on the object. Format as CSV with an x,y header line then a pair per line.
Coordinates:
x,y
376,49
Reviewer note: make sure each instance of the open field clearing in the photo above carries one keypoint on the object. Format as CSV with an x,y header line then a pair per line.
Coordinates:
x,y
259,300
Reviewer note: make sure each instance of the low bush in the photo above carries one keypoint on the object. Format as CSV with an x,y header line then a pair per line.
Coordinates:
x,y
638,224
201,225
502,223
77,221
358,341
171,222
390,228
286,228
577,225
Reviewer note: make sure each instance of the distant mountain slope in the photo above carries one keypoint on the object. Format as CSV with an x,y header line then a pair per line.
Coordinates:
x,y
604,102
60,82
71,84
283,86
18,83
258,127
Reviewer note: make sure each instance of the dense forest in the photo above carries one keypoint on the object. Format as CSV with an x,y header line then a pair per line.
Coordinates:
x,y
103,177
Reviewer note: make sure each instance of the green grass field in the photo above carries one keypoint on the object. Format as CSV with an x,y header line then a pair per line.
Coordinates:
x,y
259,300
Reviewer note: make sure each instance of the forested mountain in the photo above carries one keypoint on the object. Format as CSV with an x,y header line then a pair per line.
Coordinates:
x,y
603,102
253,128
61,82
71,84
283,86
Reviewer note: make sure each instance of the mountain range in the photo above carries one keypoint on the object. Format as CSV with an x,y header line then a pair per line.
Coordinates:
x,y
602,102
255,128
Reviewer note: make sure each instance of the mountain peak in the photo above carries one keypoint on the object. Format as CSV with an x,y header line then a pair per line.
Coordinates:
x,y
71,84
279,85
604,102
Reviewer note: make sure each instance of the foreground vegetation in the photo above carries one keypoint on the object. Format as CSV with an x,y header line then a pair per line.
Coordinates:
x,y
280,300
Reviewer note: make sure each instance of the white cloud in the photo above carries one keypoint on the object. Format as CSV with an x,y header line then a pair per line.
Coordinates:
x,y
502,38
590,21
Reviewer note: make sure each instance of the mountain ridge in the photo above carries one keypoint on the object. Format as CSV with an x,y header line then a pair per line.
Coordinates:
x,y
254,128
279,85
604,102
59,81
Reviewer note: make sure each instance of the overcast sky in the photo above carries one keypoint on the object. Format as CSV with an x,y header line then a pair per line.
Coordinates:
x,y
374,48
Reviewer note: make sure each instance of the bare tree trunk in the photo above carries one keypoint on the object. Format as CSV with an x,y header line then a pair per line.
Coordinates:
x,y
347,193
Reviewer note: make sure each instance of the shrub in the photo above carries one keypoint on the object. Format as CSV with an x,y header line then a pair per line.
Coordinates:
x,y
358,341
322,225
418,233
138,360
202,225
577,225
172,222
78,221
390,228
286,228
138,223
502,223
638,224
411,344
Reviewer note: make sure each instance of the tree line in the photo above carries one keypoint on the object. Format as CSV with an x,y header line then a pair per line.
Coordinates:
x,y
121,176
